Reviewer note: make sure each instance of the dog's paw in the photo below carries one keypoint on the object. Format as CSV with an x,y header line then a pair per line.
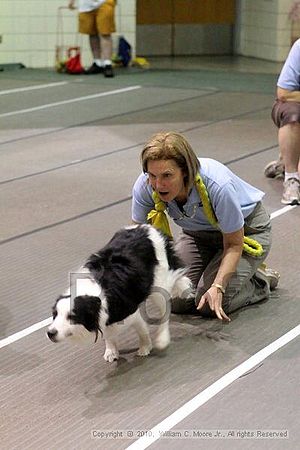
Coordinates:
x,y
162,340
144,350
111,355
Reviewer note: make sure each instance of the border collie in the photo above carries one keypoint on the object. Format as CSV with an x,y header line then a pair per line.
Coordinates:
x,y
138,264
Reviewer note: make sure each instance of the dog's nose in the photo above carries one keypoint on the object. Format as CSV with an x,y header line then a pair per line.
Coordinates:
x,y
51,335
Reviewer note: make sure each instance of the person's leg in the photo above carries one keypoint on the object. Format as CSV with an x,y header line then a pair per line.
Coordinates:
x,y
106,54
95,46
289,144
250,283
87,25
196,255
202,254
242,289
286,116
106,26
275,169
106,47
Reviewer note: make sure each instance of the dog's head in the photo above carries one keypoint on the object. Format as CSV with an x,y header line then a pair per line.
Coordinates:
x,y
77,319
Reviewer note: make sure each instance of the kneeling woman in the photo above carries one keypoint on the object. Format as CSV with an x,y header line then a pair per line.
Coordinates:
x,y
225,231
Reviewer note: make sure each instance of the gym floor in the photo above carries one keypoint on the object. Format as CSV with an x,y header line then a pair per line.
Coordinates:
x,y
69,149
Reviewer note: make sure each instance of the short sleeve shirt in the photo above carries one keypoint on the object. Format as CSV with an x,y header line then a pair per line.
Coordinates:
x,y
232,199
289,77
89,5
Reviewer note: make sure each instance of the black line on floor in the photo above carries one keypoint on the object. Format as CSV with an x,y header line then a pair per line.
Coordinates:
x,y
140,144
109,205
62,222
84,124
257,152
74,163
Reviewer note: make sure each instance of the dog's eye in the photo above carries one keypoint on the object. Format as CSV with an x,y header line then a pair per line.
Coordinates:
x,y
54,313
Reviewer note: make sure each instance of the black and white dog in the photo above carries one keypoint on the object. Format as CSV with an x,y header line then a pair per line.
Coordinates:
x,y
138,264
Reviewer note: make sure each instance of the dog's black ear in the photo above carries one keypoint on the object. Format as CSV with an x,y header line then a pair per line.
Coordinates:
x,y
86,312
94,262
95,266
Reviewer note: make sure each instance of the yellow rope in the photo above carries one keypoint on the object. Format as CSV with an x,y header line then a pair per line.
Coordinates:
x,y
157,217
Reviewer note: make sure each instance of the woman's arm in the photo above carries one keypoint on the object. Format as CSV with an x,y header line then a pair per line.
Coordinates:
x,y
233,248
288,96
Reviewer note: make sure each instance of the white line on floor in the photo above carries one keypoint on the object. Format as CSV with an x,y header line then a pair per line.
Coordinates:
x,y
188,408
73,100
37,326
20,334
32,88
283,210
208,393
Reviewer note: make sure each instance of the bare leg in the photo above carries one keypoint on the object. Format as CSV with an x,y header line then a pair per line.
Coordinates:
x,y
289,144
106,47
95,46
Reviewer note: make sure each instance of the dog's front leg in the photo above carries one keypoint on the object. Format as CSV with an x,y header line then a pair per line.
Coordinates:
x,y
111,351
145,344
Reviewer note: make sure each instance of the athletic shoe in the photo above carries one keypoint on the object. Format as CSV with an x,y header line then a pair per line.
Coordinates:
x,y
291,192
108,71
94,69
270,276
275,169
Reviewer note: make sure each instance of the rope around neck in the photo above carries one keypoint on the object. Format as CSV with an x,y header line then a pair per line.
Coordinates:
x,y
158,218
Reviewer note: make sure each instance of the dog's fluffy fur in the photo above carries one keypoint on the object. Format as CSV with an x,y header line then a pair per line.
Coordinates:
x,y
138,264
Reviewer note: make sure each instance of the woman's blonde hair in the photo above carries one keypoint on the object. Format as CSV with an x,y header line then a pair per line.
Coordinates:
x,y
172,145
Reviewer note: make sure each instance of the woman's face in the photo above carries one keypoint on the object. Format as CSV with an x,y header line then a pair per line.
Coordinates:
x,y
167,179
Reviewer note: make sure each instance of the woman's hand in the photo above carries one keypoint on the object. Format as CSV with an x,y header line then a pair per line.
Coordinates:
x,y
213,297
233,247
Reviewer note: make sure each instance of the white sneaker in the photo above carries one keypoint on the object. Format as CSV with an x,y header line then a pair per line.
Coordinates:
x,y
291,192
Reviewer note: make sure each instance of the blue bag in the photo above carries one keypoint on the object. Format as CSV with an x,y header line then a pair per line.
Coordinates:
x,y
124,51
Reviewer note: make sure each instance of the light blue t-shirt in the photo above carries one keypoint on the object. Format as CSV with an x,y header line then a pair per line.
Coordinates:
x,y
232,200
289,77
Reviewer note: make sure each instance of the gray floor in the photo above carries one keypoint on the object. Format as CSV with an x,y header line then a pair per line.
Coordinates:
x,y
66,172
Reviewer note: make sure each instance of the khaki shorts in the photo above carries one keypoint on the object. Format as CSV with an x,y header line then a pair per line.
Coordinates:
x,y
285,112
99,21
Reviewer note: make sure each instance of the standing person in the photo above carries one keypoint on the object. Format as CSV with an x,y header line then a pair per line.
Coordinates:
x,y
286,116
215,209
96,18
